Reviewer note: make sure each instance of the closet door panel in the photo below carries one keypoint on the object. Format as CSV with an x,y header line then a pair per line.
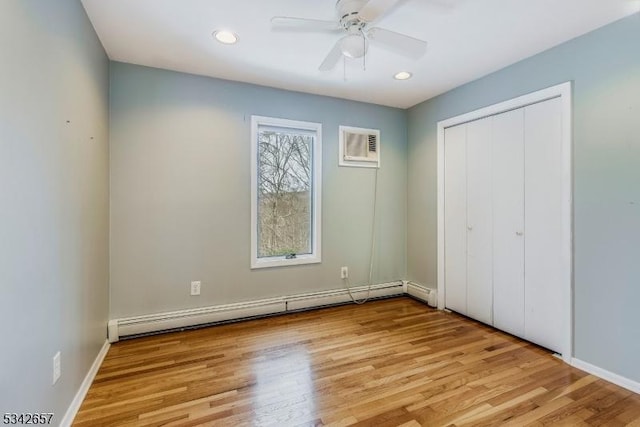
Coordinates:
x,y
455,210
508,221
543,222
479,221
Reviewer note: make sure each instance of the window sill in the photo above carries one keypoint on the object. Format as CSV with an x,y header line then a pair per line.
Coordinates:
x,y
283,262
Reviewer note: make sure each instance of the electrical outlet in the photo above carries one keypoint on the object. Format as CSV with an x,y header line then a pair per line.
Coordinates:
x,y
344,272
195,288
56,367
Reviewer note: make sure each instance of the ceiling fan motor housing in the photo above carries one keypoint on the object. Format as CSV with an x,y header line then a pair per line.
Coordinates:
x,y
348,11
353,45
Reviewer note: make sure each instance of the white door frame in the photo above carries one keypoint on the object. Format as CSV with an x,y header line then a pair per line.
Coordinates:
x,y
564,92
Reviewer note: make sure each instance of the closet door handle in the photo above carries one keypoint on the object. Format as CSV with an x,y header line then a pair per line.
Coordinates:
x,y
519,233
469,227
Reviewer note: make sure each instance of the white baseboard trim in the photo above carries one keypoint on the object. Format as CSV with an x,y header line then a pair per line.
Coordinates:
x,y
137,325
606,375
67,420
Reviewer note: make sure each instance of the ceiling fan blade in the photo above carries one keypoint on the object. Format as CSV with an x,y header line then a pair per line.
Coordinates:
x,y
374,9
447,5
400,43
303,24
332,58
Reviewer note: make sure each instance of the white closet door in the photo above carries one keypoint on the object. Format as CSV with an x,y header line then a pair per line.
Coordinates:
x,y
479,221
455,210
508,221
543,222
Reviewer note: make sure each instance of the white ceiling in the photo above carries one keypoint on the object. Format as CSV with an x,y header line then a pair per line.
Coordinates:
x,y
467,40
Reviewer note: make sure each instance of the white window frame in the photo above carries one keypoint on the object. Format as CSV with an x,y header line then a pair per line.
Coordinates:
x,y
316,215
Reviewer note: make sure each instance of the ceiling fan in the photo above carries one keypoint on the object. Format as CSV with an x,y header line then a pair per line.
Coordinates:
x,y
354,19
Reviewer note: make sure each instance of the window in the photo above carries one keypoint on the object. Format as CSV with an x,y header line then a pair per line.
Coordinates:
x,y
285,192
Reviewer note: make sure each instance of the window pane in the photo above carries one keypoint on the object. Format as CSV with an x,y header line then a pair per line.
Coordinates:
x,y
285,188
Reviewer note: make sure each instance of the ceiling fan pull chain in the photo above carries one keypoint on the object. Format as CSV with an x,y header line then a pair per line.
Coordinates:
x,y
364,49
344,68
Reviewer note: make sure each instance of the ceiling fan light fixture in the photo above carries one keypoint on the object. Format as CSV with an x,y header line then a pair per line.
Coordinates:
x,y
403,75
225,37
353,46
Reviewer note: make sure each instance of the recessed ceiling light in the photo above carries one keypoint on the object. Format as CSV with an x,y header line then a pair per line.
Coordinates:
x,y
226,37
403,75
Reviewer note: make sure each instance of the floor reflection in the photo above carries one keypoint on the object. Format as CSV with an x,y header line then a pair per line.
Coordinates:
x,y
284,392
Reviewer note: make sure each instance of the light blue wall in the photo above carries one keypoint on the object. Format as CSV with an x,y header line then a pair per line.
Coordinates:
x,y
180,192
54,222
605,68
180,200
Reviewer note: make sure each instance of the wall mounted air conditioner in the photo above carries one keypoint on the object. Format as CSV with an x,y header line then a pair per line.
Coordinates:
x,y
359,147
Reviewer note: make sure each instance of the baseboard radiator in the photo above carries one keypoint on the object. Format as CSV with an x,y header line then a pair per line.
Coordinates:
x,y
185,319
422,293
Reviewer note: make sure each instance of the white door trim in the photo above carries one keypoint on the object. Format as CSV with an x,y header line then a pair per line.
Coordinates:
x,y
564,92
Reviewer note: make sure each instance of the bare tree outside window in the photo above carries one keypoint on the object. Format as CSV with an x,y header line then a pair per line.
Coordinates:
x,y
284,192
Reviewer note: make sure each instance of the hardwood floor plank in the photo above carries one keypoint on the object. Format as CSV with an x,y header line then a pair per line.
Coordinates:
x,y
386,363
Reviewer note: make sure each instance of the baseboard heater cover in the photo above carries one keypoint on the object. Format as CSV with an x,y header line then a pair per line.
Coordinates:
x,y
422,293
341,296
139,325
185,318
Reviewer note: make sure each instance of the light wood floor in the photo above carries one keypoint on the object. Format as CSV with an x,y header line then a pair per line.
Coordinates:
x,y
386,363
